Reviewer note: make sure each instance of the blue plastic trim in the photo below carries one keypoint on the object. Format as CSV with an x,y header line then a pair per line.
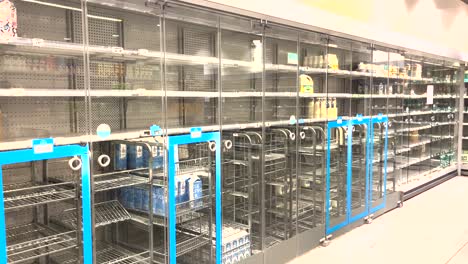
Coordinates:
x,y
358,217
3,245
327,188
349,171
189,139
369,169
28,155
86,209
336,228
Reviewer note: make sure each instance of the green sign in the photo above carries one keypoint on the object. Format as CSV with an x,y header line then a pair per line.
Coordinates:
x,y
292,58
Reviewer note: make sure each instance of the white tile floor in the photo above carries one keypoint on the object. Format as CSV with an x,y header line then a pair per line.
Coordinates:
x,y
431,228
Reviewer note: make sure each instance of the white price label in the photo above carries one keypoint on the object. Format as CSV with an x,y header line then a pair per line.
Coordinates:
x,y
118,50
37,42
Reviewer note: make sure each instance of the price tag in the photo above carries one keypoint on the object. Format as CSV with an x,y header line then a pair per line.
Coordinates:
x,y
430,94
43,145
155,130
37,42
195,132
103,131
292,120
359,117
143,52
118,50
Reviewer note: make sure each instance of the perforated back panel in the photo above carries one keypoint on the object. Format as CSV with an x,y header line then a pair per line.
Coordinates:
x,y
43,72
143,112
40,21
36,117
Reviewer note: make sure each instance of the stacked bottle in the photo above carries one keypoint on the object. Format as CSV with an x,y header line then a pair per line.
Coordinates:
x,y
323,108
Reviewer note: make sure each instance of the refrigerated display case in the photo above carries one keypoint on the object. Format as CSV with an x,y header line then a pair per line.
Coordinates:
x,y
123,77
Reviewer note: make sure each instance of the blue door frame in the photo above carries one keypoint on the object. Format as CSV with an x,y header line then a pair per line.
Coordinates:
x,y
369,209
28,155
196,136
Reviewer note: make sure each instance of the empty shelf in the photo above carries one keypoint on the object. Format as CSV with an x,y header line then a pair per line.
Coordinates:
x,y
107,254
31,241
115,181
24,195
185,245
106,213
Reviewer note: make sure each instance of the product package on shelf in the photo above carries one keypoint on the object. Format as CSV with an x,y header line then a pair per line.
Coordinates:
x,y
135,157
156,154
307,84
120,156
236,244
323,108
188,194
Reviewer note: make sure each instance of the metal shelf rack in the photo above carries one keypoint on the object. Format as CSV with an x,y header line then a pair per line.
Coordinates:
x,y
184,67
106,254
106,213
19,196
29,242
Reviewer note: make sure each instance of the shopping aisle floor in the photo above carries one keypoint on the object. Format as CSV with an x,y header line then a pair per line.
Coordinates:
x,y
431,228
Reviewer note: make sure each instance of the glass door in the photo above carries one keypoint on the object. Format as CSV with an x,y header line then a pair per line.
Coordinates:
x,y
194,217
359,182
378,163
338,173
353,190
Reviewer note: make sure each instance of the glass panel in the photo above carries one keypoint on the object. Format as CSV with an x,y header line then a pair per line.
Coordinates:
x,y
377,182
280,117
338,187
312,139
42,211
41,65
445,112
191,71
385,105
195,218
339,81
241,50
126,91
359,169
398,119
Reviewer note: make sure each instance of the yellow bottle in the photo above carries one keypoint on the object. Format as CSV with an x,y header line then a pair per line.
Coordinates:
x,y
307,84
334,109
311,110
330,109
317,108
323,109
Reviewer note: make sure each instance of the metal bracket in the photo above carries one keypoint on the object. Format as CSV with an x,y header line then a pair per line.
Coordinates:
x,y
325,241
160,4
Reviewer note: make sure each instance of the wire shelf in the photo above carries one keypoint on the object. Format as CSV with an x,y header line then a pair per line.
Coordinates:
x,y
142,218
106,213
106,254
186,243
32,241
115,181
25,195
192,166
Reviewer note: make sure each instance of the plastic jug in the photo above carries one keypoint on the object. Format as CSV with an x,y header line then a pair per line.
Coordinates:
x,y
311,110
317,108
307,84
323,109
